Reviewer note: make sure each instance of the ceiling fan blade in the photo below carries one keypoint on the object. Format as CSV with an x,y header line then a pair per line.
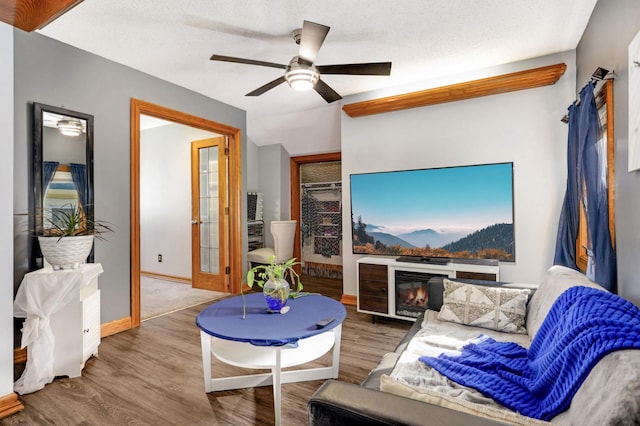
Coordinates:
x,y
372,68
246,61
326,92
311,40
260,90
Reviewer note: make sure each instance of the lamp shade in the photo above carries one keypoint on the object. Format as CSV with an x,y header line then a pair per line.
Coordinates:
x,y
301,77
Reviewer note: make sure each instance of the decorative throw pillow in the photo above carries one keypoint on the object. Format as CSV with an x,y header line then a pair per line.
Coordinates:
x,y
496,308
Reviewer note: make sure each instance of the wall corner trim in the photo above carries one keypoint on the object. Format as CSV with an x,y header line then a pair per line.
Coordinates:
x,y
30,15
520,80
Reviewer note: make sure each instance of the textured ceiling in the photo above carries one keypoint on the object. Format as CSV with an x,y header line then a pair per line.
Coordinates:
x,y
424,39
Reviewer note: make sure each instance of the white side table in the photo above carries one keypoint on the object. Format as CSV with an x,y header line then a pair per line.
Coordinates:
x,y
62,326
269,341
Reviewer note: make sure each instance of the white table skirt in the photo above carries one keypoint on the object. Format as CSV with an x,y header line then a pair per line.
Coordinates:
x,y
41,294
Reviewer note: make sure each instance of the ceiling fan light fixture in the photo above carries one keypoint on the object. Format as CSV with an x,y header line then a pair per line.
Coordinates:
x,y
70,127
301,77
302,80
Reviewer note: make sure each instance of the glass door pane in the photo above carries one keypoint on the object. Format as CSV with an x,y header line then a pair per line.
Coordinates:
x,y
209,210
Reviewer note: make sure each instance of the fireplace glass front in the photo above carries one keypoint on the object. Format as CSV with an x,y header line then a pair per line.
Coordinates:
x,y
412,292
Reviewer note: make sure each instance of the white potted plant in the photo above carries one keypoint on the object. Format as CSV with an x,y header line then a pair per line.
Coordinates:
x,y
67,239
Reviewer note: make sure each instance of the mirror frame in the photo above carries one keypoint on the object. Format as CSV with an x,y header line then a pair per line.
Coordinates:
x,y
37,175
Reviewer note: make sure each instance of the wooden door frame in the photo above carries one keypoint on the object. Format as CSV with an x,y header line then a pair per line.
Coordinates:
x,y
294,173
234,193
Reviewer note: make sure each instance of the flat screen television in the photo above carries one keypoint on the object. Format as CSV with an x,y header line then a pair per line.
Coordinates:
x,y
449,212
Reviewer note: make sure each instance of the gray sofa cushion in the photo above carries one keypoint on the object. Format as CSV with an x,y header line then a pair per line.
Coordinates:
x,y
555,281
610,395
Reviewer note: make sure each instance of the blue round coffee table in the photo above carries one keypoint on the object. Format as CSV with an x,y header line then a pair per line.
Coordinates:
x,y
273,341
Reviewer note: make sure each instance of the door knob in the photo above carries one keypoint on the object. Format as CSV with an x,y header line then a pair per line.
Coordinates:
x,y
194,222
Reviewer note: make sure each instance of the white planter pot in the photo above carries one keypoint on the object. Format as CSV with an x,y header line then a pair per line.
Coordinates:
x,y
66,252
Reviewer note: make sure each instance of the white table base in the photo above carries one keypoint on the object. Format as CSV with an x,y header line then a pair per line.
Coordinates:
x,y
274,358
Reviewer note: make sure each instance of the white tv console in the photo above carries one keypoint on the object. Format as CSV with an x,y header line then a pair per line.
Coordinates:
x,y
376,279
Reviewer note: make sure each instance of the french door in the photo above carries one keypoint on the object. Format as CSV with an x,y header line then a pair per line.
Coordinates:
x,y
209,217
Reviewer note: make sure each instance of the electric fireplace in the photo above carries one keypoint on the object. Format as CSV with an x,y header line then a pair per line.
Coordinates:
x,y
412,293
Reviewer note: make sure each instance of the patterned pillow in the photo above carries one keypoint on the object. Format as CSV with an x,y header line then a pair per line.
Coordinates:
x,y
496,308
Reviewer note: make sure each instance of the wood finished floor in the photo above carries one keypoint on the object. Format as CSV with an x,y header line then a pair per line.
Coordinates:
x,y
152,375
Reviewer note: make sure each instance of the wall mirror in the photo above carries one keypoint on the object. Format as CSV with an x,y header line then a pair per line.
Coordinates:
x,y
62,173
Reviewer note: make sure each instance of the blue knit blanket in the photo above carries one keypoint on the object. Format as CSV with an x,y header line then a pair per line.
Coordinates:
x,y
582,326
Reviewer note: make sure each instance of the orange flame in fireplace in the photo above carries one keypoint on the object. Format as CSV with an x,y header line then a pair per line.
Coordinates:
x,y
421,297
416,297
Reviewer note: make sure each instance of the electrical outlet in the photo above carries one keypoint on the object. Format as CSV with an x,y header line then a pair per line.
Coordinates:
x,y
160,258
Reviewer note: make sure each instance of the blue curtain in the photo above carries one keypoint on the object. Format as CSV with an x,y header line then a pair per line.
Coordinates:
x,y
570,214
79,176
602,257
590,182
50,168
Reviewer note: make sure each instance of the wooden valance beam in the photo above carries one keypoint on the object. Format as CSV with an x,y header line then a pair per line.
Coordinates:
x,y
520,80
29,15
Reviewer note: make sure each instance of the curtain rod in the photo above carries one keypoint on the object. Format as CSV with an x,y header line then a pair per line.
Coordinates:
x,y
599,74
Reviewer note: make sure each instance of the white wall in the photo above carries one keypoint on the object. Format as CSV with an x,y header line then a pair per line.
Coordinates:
x,y
273,178
522,127
165,198
6,209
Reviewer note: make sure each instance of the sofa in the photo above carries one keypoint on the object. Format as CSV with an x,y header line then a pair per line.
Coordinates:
x,y
402,390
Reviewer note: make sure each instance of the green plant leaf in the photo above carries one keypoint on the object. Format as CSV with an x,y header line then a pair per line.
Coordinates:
x,y
70,220
250,275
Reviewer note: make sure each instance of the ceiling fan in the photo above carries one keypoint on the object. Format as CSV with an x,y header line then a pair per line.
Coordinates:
x,y
301,72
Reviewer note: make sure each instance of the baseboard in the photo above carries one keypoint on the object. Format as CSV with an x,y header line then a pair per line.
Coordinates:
x,y
113,327
9,404
348,299
19,355
184,280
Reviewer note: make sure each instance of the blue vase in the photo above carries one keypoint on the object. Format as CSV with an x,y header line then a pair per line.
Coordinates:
x,y
276,293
